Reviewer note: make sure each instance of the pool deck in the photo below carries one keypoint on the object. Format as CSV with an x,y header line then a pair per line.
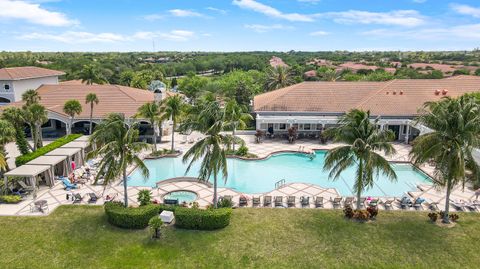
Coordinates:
x,y
56,195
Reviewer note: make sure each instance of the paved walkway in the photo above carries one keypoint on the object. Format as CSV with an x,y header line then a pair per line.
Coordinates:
x,y
57,195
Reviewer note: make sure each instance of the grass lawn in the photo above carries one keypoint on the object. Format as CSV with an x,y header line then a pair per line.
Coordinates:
x,y
80,237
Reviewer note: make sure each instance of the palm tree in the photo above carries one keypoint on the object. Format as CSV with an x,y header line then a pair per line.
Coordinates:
x,y
364,139
15,116
119,149
72,108
91,99
151,112
236,118
7,135
31,97
35,116
90,74
455,125
210,149
171,109
278,77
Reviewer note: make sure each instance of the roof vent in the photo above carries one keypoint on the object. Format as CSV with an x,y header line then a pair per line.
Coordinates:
x,y
394,92
445,91
437,92
401,92
388,93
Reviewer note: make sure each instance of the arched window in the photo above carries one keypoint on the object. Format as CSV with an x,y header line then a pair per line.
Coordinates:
x,y
4,100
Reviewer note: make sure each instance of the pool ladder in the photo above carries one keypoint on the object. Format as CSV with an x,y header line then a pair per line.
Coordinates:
x,y
280,183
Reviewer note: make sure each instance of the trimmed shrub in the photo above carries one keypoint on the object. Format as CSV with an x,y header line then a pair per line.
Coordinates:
x,y
198,219
11,199
144,197
155,224
23,159
433,216
133,217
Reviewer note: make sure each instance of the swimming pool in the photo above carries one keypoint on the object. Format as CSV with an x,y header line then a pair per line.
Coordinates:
x,y
257,176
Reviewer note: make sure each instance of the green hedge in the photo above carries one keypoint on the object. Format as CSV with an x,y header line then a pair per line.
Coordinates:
x,y
186,218
198,219
132,217
21,160
10,199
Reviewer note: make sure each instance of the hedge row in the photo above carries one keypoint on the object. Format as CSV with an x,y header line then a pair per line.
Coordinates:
x,y
132,217
23,159
186,218
197,219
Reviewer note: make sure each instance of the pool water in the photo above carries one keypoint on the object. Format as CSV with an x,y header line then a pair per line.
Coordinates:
x,y
249,176
182,196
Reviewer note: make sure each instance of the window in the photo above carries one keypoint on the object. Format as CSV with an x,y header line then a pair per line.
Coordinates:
x,y
263,126
319,127
282,126
6,87
306,126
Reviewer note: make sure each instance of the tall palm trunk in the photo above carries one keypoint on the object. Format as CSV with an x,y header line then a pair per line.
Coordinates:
x,y
38,136
447,202
215,202
233,134
69,131
173,135
125,196
91,119
360,180
154,137
33,133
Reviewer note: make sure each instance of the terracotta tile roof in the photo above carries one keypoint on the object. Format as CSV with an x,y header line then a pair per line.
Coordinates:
x,y
392,98
357,66
26,72
113,98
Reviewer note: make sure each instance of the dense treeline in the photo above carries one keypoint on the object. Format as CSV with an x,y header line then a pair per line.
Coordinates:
x,y
238,75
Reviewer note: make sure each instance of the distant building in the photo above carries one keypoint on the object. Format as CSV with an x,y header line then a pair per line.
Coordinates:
x,y
276,62
14,81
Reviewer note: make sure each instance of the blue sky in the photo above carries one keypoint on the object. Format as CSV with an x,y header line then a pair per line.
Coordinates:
x,y
239,25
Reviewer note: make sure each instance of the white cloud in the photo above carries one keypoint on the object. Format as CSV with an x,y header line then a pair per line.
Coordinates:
x,y
319,33
72,37
153,17
270,11
185,13
407,18
33,13
177,35
174,35
261,28
467,31
466,10
221,11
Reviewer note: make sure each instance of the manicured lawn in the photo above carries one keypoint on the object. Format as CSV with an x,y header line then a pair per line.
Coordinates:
x,y
80,237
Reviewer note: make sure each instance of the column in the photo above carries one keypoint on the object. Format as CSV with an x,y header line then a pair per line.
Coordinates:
x,y
408,133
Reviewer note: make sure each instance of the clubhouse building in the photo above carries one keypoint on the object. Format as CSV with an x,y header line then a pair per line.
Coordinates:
x,y
313,106
53,95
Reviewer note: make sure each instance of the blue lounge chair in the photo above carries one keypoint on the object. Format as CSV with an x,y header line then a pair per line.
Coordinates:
x,y
68,185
